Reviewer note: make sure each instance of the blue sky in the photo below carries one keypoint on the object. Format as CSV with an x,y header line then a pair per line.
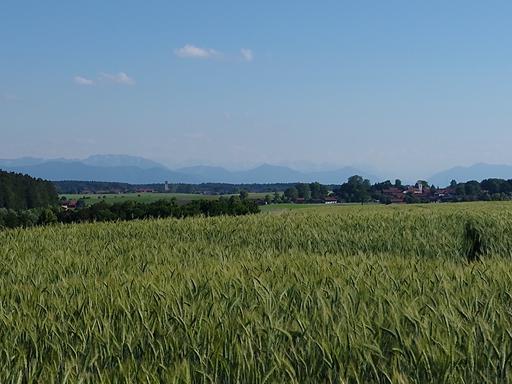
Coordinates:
x,y
404,88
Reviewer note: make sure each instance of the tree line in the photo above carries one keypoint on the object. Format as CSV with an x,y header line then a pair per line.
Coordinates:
x,y
356,189
359,190
19,191
488,189
128,210
79,187
306,191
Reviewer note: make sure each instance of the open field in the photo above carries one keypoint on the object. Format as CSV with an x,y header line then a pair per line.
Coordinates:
x,y
146,197
292,207
289,207
324,294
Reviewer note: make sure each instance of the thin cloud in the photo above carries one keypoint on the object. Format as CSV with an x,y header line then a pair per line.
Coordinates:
x,y
196,136
80,80
247,54
118,78
192,52
9,97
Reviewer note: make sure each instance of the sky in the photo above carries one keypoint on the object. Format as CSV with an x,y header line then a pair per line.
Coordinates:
x,y
404,88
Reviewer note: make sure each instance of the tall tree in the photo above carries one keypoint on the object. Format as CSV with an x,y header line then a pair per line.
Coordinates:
x,y
356,189
291,193
19,191
304,191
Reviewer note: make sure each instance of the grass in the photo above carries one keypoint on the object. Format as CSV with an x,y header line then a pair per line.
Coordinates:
x,y
291,207
147,197
341,294
288,207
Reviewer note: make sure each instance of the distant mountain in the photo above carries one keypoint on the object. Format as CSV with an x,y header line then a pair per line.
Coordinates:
x,y
267,173
59,170
208,174
476,172
21,162
339,176
121,161
263,174
137,170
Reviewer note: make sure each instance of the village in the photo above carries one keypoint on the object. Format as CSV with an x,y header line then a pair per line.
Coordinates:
x,y
419,191
300,193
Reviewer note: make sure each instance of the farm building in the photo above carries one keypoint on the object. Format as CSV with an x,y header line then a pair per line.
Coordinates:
x,y
69,204
396,195
330,200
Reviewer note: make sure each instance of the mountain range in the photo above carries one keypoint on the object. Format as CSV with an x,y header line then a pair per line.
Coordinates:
x,y
476,172
137,170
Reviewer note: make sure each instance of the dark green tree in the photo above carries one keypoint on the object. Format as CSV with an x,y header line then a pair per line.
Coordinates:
x,y
304,191
291,193
356,189
244,194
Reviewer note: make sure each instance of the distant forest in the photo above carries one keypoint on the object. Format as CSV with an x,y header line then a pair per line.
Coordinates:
x,y
79,187
19,191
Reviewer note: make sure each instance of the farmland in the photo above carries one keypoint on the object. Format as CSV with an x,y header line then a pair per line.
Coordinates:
x,y
321,294
147,197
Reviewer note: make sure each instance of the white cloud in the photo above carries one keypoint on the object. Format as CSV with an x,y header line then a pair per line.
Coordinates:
x,y
118,78
192,52
247,54
82,80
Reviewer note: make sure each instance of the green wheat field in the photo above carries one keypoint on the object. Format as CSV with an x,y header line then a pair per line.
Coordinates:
x,y
350,294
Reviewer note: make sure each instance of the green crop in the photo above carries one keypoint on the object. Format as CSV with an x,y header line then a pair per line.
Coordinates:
x,y
355,294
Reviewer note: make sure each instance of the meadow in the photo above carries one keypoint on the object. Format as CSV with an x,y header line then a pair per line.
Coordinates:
x,y
347,294
148,197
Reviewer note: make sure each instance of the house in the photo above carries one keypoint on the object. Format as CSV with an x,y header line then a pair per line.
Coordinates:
x,y
419,189
144,190
299,200
395,195
445,194
69,204
330,200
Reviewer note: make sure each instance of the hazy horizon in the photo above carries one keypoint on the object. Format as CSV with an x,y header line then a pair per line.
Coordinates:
x,y
476,171
400,88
